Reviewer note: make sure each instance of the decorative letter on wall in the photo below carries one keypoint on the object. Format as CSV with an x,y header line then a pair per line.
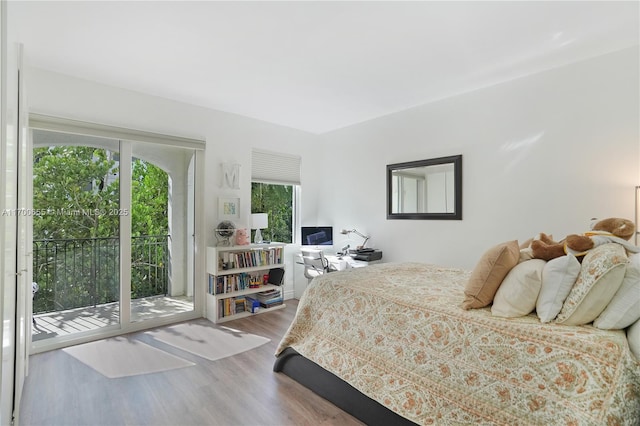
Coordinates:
x,y
231,175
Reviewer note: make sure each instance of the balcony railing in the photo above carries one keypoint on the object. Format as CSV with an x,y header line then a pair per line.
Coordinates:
x,y
75,273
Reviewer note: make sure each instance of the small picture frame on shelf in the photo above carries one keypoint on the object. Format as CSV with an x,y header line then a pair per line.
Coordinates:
x,y
228,208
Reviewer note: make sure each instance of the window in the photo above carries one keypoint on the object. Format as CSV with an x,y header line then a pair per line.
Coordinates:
x,y
275,183
278,202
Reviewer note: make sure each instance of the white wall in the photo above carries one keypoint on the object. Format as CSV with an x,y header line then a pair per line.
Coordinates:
x,y
545,152
229,137
542,153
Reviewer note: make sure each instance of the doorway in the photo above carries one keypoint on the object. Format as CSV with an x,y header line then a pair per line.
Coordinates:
x,y
113,235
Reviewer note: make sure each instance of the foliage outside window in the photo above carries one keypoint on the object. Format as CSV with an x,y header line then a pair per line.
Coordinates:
x,y
277,201
76,188
72,186
76,227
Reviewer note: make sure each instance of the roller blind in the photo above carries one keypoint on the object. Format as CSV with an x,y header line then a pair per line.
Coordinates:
x,y
56,124
275,167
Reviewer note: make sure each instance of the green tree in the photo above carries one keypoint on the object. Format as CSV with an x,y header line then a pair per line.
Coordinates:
x,y
149,193
76,199
277,201
149,217
73,193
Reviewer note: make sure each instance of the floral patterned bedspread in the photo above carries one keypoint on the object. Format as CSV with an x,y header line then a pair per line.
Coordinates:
x,y
398,334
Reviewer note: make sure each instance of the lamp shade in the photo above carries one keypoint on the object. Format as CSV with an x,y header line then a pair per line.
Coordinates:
x,y
259,220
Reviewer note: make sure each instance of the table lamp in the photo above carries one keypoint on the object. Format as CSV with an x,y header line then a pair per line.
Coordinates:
x,y
259,221
349,231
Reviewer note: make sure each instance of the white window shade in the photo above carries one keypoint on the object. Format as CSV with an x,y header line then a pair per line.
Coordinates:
x,y
275,167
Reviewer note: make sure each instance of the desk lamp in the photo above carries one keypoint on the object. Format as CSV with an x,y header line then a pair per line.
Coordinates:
x,y
259,221
349,231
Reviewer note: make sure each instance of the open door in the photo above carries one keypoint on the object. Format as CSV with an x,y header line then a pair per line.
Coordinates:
x,y
15,261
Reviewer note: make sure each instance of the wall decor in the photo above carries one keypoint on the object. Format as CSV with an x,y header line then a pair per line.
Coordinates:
x,y
425,189
231,176
228,208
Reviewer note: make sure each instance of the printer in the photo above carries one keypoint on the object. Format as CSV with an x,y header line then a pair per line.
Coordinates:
x,y
366,254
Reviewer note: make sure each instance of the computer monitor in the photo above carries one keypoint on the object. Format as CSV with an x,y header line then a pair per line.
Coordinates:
x,y
317,235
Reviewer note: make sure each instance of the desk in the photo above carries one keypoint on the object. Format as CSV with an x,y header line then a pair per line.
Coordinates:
x,y
339,263
336,263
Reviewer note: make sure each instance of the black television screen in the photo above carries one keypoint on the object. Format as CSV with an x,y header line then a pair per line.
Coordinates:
x,y
317,235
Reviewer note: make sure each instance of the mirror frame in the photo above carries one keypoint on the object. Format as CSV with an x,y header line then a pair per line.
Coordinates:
x,y
456,160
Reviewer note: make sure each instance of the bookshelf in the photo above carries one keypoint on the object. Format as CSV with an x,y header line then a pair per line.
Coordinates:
x,y
236,287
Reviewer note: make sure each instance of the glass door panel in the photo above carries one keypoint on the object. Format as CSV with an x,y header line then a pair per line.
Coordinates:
x,y
161,231
76,249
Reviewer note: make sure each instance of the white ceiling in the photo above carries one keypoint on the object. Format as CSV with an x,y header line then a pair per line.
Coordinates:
x,y
315,66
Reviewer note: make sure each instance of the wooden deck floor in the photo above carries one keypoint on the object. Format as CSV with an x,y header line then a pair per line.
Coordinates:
x,y
60,323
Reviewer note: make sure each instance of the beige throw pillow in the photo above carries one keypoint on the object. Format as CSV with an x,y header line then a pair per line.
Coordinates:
x,y
601,275
488,274
517,295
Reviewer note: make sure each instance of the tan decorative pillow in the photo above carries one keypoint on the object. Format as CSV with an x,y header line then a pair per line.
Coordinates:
x,y
488,274
601,275
517,295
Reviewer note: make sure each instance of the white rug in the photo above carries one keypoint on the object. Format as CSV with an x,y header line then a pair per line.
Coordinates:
x,y
207,341
121,357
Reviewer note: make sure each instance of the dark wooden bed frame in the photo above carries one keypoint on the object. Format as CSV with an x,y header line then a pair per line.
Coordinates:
x,y
335,390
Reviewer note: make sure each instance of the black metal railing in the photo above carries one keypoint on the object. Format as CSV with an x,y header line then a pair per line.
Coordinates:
x,y
76,273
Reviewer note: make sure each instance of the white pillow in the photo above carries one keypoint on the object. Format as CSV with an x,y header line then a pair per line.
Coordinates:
x,y
558,276
633,337
519,290
624,308
600,277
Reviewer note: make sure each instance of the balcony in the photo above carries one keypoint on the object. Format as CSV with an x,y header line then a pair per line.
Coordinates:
x,y
79,283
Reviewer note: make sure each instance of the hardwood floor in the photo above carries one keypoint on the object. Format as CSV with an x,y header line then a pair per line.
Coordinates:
x,y
238,390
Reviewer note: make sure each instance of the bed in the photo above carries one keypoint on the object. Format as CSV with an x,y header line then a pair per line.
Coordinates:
x,y
391,344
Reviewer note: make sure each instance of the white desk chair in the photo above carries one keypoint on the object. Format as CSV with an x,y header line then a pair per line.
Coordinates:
x,y
315,263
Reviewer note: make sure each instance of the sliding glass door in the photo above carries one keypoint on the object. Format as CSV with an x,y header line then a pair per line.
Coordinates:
x,y
113,234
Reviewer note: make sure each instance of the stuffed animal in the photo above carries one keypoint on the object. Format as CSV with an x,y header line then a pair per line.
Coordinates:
x,y
611,230
242,237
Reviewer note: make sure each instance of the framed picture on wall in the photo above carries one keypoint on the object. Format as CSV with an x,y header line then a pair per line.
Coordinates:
x,y
228,208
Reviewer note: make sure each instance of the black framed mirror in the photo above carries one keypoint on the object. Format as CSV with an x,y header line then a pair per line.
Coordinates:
x,y
425,189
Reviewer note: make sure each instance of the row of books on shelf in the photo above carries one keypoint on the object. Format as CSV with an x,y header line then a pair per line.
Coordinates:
x,y
235,282
250,258
232,306
237,305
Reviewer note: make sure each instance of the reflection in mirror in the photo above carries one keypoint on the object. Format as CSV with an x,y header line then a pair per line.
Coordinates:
x,y
426,189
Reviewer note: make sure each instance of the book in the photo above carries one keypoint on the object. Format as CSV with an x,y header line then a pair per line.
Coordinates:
x,y
252,305
265,296
272,303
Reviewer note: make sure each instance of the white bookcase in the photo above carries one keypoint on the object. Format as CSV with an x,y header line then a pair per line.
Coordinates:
x,y
233,276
